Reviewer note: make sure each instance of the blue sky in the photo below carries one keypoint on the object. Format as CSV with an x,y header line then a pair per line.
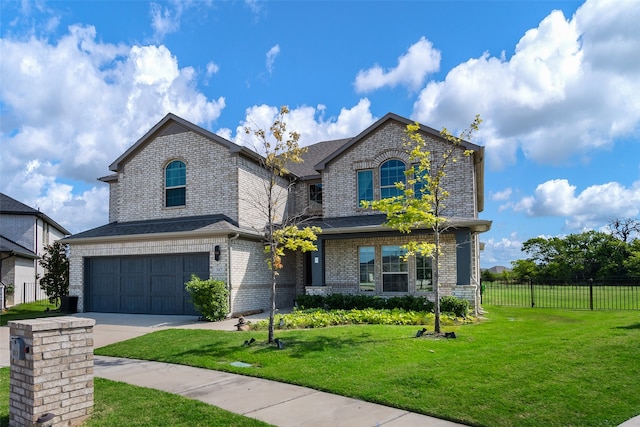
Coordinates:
x,y
557,84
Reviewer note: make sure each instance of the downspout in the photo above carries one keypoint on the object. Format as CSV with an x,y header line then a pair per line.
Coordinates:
x,y
229,286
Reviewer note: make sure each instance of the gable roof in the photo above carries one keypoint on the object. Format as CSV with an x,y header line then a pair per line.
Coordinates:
x,y
478,150
387,118
15,249
172,124
315,153
11,206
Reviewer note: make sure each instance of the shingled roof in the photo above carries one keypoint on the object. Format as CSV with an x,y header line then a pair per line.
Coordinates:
x,y
13,248
10,206
315,154
204,224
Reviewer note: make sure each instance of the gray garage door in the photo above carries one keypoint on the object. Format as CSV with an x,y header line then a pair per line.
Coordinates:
x,y
142,284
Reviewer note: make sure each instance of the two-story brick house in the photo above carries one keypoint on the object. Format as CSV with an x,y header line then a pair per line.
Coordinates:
x,y
184,200
24,233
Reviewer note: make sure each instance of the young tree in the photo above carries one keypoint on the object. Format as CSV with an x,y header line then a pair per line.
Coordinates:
x,y
281,232
424,208
55,281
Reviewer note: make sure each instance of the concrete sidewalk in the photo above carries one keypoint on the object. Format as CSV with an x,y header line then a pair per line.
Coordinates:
x,y
280,404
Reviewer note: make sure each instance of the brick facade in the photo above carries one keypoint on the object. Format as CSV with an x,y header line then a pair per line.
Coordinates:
x,y
55,375
225,179
212,179
339,179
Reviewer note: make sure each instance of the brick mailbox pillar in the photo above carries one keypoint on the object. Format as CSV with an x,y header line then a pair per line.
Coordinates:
x,y
51,374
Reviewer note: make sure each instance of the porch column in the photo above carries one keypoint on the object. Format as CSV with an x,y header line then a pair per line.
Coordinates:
x,y
463,257
317,264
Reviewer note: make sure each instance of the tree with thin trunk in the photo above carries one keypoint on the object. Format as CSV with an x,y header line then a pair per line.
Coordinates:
x,y
55,281
421,201
282,232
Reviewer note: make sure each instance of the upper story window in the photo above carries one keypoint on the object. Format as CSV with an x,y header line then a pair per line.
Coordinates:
x,y
175,184
315,196
420,186
365,186
391,171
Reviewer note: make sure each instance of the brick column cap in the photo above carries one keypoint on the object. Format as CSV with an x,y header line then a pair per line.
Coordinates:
x,y
51,323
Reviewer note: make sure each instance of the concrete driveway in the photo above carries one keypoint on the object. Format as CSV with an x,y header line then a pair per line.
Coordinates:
x,y
115,327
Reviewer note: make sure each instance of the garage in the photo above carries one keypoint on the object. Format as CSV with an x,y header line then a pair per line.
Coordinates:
x,y
150,284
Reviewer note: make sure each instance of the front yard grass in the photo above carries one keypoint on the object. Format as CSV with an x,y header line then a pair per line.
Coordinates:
x,y
31,310
119,404
525,367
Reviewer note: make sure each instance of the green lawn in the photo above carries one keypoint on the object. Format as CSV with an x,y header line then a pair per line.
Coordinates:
x,y
29,311
119,404
525,367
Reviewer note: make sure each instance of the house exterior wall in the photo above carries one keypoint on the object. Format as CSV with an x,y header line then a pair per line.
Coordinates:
x,y
35,234
113,201
251,278
20,229
79,251
342,264
340,176
253,199
20,271
210,187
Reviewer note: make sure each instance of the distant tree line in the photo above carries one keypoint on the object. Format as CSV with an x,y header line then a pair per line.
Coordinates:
x,y
582,256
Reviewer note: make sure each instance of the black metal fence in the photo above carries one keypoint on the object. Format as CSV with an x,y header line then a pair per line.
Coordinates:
x,y
32,292
606,294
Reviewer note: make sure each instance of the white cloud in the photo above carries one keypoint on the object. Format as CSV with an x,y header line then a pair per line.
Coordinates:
x,y
61,128
411,71
501,251
272,54
502,195
309,122
568,89
212,68
594,206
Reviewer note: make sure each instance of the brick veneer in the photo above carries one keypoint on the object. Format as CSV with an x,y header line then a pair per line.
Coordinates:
x,y
56,375
339,178
212,183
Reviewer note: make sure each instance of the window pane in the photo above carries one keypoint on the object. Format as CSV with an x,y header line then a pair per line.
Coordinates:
x,y
420,183
395,277
315,196
391,171
365,186
424,281
175,174
395,283
176,197
392,260
367,269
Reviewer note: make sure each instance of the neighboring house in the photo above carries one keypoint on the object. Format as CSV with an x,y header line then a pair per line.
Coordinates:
x,y
186,201
24,233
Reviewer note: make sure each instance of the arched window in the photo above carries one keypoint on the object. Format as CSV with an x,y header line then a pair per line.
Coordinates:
x,y
391,171
175,184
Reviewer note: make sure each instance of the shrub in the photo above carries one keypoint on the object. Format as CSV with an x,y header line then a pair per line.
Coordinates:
x,y
361,302
210,297
457,306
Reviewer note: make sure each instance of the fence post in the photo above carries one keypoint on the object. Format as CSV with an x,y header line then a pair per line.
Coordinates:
x,y
533,303
591,294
